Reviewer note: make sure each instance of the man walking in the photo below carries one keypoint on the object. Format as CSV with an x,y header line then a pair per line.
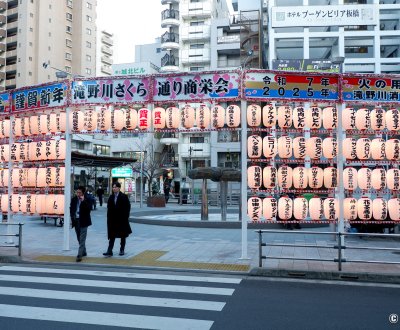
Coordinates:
x,y
80,219
118,210
100,193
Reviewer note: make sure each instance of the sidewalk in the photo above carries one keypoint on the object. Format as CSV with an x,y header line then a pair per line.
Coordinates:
x,y
216,249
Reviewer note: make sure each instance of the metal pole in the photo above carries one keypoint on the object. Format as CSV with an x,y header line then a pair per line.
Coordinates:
x,y
204,201
141,169
339,238
67,189
224,193
10,239
340,190
243,186
20,239
259,248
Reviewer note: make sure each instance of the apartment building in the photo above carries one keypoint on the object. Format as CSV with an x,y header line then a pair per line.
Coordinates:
x,y
105,53
59,33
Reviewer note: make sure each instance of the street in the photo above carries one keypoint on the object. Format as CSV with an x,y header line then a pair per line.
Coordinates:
x,y
67,297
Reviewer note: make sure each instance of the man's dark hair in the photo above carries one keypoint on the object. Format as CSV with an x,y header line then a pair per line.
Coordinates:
x,y
117,184
82,188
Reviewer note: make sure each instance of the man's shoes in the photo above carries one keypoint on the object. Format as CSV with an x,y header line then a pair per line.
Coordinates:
x,y
121,253
107,254
78,259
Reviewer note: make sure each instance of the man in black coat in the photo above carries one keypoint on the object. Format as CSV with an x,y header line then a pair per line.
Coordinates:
x,y
118,210
100,193
80,219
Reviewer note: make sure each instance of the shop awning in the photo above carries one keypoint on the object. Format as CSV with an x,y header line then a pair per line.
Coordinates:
x,y
87,160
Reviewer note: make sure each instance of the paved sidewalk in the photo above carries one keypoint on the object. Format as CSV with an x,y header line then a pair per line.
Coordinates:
x,y
216,249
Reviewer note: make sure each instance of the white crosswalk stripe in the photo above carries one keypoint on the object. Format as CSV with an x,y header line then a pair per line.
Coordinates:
x,y
150,300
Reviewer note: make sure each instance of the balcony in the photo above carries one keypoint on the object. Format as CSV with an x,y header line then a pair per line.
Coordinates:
x,y
9,53
107,60
106,40
169,140
169,63
12,68
196,33
190,56
11,83
12,12
170,40
3,33
12,25
169,17
11,40
3,20
2,61
3,6
106,69
167,2
197,10
106,50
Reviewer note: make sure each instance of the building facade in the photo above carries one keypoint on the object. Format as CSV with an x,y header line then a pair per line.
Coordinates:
x,y
105,53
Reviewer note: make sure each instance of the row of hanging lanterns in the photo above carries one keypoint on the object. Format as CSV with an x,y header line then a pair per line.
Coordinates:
x,y
33,177
34,204
318,209
315,117
33,151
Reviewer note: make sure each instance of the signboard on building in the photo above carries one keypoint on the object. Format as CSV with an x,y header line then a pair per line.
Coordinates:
x,y
124,69
121,172
332,15
307,65
4,102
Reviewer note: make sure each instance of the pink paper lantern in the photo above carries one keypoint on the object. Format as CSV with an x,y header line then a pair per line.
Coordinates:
x,y
269,116
330,118
144,118
329,147
21,127
76,121
58,176
172,118
203,116
331,208
18,203
58,122
363,148
104,119
159,118
233,116
270,208
350,208
379,209
299,147
34,125
378,121
378,149
37,150
285,177
349,119
4,152
314,118
14,152
4,203
315,177
364,178
285,116
350,176
44,177
187,116
392,149
253,115
131,119
269,177
363,119
254,177
285,208
55,204
254,146
378,178
364,208
31,175
285,147
270,146
30,204
393,120
299,117
330,177
117,120
90,120
300,177
58,149
300,208
349,148
41,207
44,123
18,177
217,116
393,179
316,208
394,209
314,147
254,207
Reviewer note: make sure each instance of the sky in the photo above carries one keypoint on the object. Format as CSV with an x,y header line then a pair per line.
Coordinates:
x,y
133,22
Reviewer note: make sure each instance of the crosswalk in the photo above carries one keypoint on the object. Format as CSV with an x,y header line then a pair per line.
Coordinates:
x,y
109,298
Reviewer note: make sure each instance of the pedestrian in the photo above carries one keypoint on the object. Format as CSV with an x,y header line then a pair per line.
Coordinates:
x,y
80,219
166,191
118,210
100,193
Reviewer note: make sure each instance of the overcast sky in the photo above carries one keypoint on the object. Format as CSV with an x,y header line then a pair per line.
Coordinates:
x,y
133,22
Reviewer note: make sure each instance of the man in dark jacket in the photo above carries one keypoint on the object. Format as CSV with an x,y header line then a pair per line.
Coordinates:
x,y
118,210
80,219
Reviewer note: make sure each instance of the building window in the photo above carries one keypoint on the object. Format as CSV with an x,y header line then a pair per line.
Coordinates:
x,y
49,20
30,73
31,14
101,150
88,5
88,44
88,18
68,56
31,29
49,34
69,29
196,139
49,48
69,3
88,71
68,43
69,16
88,58
30,58
30,43
88,31
197,68
68,69
50,6
158,50
196,46
197,23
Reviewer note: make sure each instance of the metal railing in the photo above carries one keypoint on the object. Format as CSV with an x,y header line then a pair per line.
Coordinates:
x,y
338,246
19,235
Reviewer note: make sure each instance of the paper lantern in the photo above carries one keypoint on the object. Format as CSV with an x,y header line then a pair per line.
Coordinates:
x,y
233,116
350,208
5,128
58,149
41,204
363,148
76,122
57,176
118,120
349,119
378,122
329,147
378,149
285,208
378,178
172,117
330,208
392,149
269,115
285,147
392,120
187,116
30,204
379,209
31,177
315,177
314,118
44,177
350,177
364,179
16,203
349,148
18,177
104,119
270,208
300,177
394,209
254,177
299,117
131,118
269,177
159,118
253,115
37,150
270,146
364,208
330,177
44,124
58,122
14,152
22,203
203,116
52,204
285,115
34,125
285,177
4,152
254,207
330,118
58,204
4,177
217,116
90,119
314,147
4,203
300,208
254,146
393,179
299,147
316,208
363,119
21,127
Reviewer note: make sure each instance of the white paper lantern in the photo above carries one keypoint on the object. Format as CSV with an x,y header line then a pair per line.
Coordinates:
x,y
4,152
350,177
58,149
58,176
316,208
363,119
285,177
269,177
203,116
349,119
314,118
285,147
41,206
4,203
314,147
217,116
392,149
104,119
34,125
364,208
350,208
330,118
254,207
254,146
16,203
4,178
393,179
187,116
144,118
233,116
76,122
330,177
55,204
315,177
90,119
378,149
253,115
37,150
393,120
44,123
285,208
331,208
131,119
21,127
300,177
270,146
58,122
23,152
299,147
379,209
299,117
378,178
300,208
394,209
254,177
30,204
364,178
270,208
349,148
159,118
285,116
172,117
43,177
14,152
329,147
363,148
117,120
18,177
31,177
269,116
378,121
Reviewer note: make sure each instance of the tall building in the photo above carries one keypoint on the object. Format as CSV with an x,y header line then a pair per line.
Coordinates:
x,y
60,33
105,53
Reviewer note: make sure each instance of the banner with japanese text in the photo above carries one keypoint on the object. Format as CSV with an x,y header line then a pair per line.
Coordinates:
x,y
259,85
371,88
43,96
197,87
104,91
4,102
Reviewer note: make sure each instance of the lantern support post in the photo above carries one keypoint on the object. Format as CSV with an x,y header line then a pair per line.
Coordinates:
x,y
10,217
67,180
243,186
141,169
340,186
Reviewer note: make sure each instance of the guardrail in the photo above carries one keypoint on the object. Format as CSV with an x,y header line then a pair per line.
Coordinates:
x,y
19,235
339,246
